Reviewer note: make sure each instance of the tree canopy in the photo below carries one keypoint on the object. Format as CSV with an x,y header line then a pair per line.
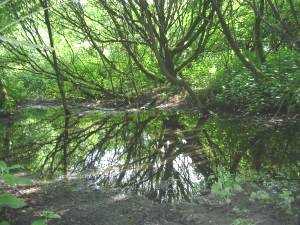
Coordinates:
x,y
98,49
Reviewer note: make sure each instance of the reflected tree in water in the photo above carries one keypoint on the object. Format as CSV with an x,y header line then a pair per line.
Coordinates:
x,y
160,154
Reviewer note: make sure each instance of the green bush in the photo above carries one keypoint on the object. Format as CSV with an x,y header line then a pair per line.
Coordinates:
x,y
226,186
11,201
8,200
279,88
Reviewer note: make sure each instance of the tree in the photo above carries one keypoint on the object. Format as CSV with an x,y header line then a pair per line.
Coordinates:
x,y
218,7
19,49
285,21
259,10
3,92
54,61
174,33
3,96
31,31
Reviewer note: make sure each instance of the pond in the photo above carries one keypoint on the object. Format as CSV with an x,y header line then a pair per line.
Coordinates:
x,y
164,155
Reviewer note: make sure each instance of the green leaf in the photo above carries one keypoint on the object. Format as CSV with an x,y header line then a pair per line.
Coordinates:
x,y
11,201
23,181
39,222
50,215
4,223
11,179
15,167
3,167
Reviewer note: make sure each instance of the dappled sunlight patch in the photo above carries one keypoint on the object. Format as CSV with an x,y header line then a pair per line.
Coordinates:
x,y
63,212
28,191
119,197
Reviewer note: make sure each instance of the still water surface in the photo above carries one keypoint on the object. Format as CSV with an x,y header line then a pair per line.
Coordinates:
x,y
162,154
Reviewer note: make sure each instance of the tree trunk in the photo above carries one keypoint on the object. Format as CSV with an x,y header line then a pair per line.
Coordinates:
x,y
167,68
65,144
60,84
257,74
258,45
287,32
3,96
54,64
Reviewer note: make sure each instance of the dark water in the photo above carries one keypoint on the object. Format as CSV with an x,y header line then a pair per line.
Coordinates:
x,y
163,155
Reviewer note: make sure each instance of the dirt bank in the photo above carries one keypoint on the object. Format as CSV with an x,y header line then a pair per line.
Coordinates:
x,y
78,204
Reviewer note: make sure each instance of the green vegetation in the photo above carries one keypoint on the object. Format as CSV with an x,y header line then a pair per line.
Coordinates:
x,y
168,156
281,194
8,200
279,89
47,216
226,185
204,56
242,222
228,55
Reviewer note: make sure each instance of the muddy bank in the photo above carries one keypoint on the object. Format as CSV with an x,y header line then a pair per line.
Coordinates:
x,y
79,204
156,102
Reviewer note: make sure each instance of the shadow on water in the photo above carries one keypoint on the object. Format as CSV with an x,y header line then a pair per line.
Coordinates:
x,y
162,155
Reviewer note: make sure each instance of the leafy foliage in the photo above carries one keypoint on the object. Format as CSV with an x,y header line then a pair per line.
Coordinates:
x,y
278,90
242,221
47,216
4,223
11,201
11,180
6,199
282,198
216,64
226,185
39,222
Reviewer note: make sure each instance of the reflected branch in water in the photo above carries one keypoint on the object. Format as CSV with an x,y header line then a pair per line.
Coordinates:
x,y
163,155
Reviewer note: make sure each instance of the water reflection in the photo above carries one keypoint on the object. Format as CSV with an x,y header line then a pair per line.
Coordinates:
x,y
160,154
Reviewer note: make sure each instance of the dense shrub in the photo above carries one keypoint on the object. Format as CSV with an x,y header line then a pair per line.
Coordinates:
x,y
278,90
